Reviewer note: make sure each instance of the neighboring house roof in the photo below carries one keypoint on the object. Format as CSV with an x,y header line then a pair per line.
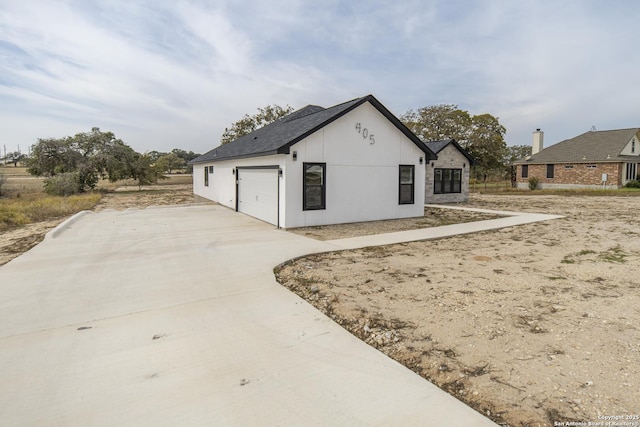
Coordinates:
x,y
438,146
277,137
590,147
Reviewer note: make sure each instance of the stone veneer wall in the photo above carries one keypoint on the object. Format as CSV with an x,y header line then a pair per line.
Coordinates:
x,y
448,158
577,177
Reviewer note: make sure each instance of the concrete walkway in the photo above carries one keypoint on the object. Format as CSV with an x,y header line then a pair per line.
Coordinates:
x,y
509,219
172,316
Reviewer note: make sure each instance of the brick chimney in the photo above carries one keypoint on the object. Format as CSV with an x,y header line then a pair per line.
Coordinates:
x,y
538,137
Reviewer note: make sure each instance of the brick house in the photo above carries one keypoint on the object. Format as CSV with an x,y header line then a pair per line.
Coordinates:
x,y
595,159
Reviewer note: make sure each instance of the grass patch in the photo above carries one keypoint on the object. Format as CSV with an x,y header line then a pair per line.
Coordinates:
x,y
586,252
36,207
615,254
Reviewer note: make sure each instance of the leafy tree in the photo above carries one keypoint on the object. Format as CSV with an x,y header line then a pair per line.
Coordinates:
x,y
187,156
482,136
15,158
155,155
248,124
168,162
486,144
439,122
144,171
88,155
516,152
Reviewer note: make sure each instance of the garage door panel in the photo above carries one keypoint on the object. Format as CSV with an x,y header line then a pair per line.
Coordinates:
x,y
258,193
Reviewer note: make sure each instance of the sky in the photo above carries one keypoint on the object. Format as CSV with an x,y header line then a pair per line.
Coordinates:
x,y
164,74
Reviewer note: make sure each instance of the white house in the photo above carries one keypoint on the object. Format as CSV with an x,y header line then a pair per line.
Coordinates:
x,y
348,163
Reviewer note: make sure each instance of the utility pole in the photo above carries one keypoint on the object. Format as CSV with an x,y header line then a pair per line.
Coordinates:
x,y
5,154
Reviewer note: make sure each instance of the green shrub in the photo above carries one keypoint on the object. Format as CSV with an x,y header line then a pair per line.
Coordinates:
x,y
63,184
633,184
533,183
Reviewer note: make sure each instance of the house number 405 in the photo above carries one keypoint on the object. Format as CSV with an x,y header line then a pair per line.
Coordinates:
x,y
365,133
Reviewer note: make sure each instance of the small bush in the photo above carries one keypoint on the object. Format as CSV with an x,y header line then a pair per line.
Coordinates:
x,y
64,184
633,184
533,183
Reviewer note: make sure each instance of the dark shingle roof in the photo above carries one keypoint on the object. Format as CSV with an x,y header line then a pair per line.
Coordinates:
x,y
437,146
277,137
590,147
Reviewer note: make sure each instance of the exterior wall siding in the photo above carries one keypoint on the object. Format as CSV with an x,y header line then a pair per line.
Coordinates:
x,y
362,173
580,176
362,181
449,158
222,183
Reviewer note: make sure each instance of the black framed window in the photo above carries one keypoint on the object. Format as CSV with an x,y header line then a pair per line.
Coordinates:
x,y
525,171
550,171
314,186
447,181
206,176
407,186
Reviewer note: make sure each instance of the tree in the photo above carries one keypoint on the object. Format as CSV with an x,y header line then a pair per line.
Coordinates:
x,y
15,158
482,136
186,156
248,124
144,171
89,156
168,162
486,144
439,122
516,152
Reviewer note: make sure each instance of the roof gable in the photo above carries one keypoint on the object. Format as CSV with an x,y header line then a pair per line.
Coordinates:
x,y
277,137
438,146
592,146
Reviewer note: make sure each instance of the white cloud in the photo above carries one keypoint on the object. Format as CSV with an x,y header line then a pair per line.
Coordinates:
x,y
163,74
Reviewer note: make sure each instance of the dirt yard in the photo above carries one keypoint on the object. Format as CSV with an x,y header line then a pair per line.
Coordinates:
x,y
531,325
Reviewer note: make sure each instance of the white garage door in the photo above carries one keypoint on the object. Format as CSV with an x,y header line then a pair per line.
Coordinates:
x,y
258,193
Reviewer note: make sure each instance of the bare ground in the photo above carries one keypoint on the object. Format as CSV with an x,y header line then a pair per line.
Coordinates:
x,y
531,325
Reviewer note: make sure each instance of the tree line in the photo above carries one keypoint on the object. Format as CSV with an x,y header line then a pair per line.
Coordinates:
x,y
482,136
76,164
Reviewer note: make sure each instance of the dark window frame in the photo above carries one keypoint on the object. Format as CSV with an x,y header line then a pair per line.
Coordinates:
x,y
412,185
550,171
525,171
206,176
322,186
447,186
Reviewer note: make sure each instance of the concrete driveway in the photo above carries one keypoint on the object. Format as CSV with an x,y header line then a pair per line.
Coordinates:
x,y
172,316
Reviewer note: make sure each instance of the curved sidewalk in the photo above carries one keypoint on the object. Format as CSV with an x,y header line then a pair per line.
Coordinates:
x,y
172,316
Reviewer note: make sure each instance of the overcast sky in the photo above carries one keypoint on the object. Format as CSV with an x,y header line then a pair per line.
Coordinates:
x,y
165,74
